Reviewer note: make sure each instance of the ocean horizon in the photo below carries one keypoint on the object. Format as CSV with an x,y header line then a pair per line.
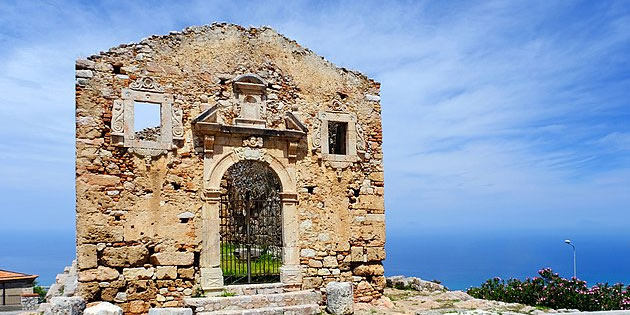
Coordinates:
x,y
457,259
468,258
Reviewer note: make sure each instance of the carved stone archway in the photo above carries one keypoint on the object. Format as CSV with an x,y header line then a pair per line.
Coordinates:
x,y
214,169
248,138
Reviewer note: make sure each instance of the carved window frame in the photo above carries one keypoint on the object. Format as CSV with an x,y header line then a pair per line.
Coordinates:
x,y
352,136
147,91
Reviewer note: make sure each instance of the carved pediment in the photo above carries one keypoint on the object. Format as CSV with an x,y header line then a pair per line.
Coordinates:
x,y
209,115
292,122
146,84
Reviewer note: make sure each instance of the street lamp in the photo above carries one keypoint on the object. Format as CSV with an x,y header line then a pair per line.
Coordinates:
x,y
574,272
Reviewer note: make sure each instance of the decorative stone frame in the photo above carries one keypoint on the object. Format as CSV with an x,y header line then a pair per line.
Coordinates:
x,y
214,169
250,91
225,145
146,90
354,138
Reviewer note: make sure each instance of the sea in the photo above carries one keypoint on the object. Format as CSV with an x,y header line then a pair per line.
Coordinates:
x,y
462,259
458,259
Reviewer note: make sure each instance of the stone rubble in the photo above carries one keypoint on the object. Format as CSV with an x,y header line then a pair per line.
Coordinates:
x,y
65,283
411,295
402,282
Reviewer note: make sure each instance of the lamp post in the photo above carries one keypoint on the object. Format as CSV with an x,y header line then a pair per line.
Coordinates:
x,y
574,272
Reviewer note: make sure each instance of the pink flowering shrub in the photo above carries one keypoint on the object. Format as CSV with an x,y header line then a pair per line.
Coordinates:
x,y
550,290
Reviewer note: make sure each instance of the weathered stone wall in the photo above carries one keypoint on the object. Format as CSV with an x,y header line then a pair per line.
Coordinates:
x,y
132,247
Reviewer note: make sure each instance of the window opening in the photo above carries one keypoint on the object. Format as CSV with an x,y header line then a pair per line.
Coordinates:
x,y
146,121
337,133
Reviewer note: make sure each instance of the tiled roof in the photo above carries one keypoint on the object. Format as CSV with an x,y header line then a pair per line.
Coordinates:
x,y
6,275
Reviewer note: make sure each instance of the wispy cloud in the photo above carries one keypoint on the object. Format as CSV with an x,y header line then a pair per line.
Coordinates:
x,y
494,112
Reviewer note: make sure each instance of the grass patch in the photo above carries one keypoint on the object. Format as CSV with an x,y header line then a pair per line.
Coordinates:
x,y
225,293
265,264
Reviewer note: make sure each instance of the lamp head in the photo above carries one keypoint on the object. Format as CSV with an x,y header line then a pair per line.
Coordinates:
x,y
567,241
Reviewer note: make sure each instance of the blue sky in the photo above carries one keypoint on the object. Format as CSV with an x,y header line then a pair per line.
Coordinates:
x,y
498,115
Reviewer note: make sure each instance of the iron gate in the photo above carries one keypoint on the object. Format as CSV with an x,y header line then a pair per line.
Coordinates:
x,y
251,240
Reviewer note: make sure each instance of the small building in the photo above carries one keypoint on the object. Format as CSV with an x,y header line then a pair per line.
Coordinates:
x,y
224,156
13,285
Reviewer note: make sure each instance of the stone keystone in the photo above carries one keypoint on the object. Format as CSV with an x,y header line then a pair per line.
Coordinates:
x,y
103,308
339,298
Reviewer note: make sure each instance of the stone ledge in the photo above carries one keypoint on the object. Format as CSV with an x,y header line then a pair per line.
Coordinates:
x,y
306,309
171,311
248,302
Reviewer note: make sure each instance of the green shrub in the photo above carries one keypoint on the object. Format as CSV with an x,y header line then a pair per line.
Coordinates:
x,y
550,290
37,289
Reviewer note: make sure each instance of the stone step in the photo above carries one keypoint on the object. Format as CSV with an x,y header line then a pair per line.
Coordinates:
x,y
308,309
248,302
251,289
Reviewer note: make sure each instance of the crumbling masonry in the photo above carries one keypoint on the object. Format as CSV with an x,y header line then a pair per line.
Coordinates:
x,y
152,204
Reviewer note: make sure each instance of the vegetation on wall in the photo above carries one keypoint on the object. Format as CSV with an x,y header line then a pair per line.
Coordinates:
x,y
551,290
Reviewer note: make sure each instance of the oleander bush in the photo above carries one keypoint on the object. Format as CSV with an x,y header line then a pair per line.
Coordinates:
x,y
553,291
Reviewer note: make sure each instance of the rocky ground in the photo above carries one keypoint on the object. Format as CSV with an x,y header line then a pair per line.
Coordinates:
x,y
408,295
410,301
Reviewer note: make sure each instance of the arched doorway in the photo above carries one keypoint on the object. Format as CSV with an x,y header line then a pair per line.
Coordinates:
x,y
250,217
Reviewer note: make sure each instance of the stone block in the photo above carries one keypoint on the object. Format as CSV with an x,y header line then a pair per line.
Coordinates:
x,y
66,306
103,308
139,273
84,74
377,176
84,64
330,261
101,180
312,282
171,311
380,282
88,290
315,263
375,253
339,298
120,297
98,274
127,256
170,304
356,254
372,202
138,306
108,294
173,259
369,270
166,272
99,233
186,273
86,256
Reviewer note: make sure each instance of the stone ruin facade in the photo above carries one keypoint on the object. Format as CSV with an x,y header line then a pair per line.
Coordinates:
x,y
153,205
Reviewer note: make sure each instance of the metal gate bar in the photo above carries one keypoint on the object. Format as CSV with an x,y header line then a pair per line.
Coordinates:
x,y
251,240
